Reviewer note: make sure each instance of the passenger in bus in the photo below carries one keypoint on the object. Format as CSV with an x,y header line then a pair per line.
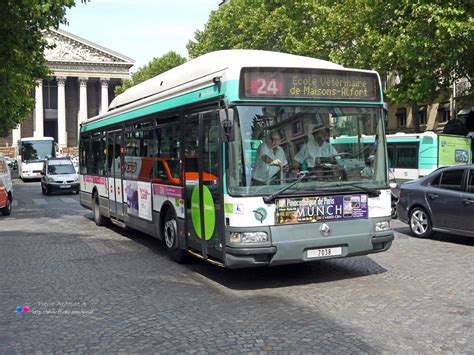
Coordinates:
x,y
316,147
270,161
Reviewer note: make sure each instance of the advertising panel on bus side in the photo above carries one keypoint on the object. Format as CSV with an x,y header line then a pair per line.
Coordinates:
x,y
454,150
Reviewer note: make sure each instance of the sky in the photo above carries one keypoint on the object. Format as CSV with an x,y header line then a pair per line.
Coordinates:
x,y
140,29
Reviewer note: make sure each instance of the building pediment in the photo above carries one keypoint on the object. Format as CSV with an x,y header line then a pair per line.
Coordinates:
x,y
71,48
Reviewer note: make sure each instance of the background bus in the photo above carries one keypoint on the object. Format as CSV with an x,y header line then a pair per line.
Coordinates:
x,y
175,157
32,152
414,155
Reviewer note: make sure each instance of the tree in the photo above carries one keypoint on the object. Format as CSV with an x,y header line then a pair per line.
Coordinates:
x,y
21,53
427,45
153,68
280,25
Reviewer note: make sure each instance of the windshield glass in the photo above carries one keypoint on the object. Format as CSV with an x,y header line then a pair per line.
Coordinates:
x,y
37,150
339,148
61,169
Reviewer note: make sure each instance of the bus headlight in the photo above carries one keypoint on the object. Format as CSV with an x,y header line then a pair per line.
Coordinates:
x,y
248,237
382,226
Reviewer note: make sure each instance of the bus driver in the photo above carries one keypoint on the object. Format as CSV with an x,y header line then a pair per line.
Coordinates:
x,y
270,160
317,146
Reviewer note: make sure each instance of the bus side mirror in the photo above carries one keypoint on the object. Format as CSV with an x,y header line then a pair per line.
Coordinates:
x,y
227,124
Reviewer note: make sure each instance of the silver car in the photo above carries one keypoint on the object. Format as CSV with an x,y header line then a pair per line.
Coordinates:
x,y
441,201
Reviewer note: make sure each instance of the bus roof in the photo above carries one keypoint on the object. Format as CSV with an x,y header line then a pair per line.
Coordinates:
x,y
412,135
200,79
213,63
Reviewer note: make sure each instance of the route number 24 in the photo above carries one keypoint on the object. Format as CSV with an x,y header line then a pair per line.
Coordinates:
x,y
267,86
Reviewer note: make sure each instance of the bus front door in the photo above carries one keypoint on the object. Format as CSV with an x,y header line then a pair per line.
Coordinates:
x,y
116,192
203,190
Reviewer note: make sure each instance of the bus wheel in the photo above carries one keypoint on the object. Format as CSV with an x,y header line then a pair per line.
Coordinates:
x,y
98,218
170,235
420,223
8,208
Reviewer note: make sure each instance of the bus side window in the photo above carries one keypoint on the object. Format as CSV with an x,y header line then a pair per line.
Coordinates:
x,y
160,171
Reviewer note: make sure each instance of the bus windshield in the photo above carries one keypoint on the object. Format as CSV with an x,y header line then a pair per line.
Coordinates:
x,y
336,148
37,150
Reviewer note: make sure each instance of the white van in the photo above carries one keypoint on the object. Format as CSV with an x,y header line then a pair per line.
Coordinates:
x,y
58,174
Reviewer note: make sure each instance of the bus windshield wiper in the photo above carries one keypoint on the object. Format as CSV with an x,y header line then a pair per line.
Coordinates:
x,y
369,190
270,198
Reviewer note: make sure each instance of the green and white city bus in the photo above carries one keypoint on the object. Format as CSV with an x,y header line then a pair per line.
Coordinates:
x,y
175,157
414,155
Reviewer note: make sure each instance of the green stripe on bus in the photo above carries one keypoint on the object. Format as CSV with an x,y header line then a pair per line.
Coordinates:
x,y
231,89
186,99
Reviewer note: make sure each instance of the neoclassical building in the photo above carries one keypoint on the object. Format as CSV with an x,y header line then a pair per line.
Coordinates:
x,y
85,75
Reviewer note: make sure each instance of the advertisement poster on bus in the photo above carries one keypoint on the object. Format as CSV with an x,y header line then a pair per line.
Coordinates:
x,y
144,198
132,198
453,150
139,199
321,208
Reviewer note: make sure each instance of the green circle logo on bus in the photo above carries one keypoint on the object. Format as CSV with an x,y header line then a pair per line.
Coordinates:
x,y
260,214
209,212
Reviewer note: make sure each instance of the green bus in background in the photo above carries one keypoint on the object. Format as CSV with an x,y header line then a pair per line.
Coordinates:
x,y
414,155
411,156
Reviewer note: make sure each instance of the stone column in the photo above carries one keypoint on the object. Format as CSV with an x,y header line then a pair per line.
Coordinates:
x,y
62,134
16,135
39,113
82,100
104,94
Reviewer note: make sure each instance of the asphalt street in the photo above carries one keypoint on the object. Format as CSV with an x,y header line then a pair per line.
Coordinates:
x,y
67,285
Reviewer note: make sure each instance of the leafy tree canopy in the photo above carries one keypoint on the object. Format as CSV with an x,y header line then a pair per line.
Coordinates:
x,y
279,25
153,68
426,45
21,53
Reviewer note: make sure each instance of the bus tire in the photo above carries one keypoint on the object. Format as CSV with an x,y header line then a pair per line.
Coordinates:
x,y
8,208
420,223
98,218
170,237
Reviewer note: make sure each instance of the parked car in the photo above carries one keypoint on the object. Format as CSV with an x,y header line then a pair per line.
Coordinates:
x,y
6,188
441,201
58,174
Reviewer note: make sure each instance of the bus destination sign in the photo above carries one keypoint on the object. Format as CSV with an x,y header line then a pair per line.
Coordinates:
x,y
309,84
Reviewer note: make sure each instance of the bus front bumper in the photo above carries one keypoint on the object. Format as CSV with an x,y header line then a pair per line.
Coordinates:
x,y
289,246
